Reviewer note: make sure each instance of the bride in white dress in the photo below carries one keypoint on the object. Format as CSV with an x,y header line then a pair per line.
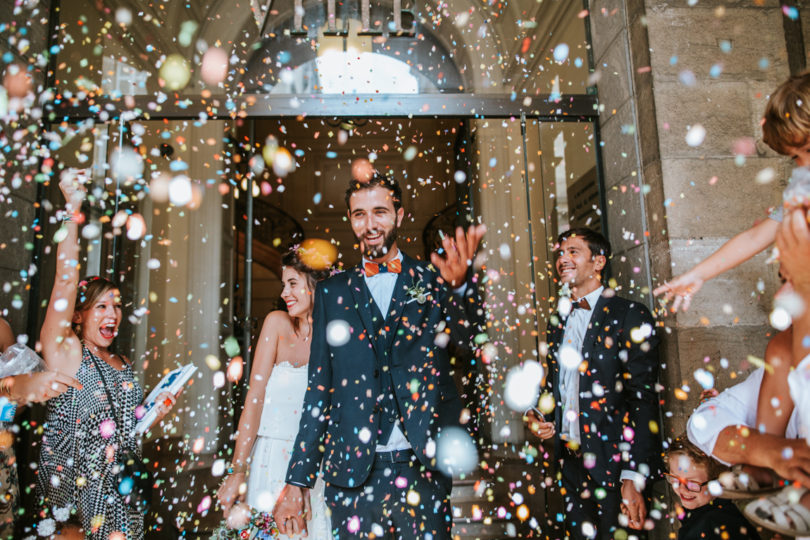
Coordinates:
x,y
269,421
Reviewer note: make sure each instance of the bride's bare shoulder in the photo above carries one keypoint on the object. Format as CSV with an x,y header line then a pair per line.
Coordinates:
x,y
278,319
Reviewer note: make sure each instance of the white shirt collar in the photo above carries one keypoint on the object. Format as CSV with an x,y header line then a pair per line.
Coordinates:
x,y
593,296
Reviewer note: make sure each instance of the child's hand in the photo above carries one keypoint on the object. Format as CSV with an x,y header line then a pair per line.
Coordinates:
x,y
681,290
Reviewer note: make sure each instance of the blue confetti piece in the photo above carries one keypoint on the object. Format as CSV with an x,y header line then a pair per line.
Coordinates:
x,y
790,12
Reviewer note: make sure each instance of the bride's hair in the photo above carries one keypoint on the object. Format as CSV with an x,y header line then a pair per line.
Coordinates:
x,y
292,259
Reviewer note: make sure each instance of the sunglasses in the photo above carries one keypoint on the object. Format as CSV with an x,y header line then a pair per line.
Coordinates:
x,y
690,485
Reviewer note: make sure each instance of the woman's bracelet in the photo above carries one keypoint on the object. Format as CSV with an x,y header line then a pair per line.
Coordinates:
x,y
65,215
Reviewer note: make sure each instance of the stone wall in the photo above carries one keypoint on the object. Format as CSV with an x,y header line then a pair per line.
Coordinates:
x,y
663,68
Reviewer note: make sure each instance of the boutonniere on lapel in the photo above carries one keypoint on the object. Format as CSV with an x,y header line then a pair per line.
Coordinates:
x,y
418,293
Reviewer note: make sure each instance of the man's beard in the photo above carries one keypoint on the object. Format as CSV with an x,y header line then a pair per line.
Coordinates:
x,y
379,252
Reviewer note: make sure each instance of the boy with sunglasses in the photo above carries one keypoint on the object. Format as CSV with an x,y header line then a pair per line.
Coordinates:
x,y
703,516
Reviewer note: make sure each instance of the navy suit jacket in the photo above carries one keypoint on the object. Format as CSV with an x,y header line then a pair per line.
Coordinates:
x,y
617,386
340,415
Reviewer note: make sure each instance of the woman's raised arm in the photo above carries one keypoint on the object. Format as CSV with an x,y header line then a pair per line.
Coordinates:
x,y
61,347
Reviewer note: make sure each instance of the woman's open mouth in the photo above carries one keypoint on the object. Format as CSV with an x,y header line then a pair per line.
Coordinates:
x,y
108,331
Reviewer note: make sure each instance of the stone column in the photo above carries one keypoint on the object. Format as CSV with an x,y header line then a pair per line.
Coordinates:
x,y
663,68
512,327
185,293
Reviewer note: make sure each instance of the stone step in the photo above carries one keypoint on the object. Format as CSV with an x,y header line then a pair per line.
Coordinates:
x,y
484,530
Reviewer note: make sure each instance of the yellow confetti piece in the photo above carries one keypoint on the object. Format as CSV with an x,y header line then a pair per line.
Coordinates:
x,y
759,362
522,512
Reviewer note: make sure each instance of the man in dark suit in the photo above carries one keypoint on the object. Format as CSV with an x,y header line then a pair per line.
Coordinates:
x,y
380,381
602,372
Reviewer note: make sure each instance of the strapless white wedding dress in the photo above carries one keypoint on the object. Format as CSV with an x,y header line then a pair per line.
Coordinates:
x,y
283,401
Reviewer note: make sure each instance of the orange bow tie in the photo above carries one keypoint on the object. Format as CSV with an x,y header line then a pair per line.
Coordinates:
x,y
372,269
581,303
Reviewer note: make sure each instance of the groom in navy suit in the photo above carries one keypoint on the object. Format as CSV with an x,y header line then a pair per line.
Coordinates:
x,y
380,379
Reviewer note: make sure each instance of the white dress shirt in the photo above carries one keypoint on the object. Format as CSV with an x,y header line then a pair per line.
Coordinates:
x,y
381,287
735,406
575,327
569,361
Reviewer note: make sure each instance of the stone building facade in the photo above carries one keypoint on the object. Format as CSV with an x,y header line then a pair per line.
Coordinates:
x,y
666,67
659,69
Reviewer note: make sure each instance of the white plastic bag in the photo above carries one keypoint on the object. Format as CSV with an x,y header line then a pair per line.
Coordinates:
x,y
19,359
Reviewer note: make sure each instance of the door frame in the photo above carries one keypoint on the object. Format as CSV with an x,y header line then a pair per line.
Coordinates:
x,y
562,108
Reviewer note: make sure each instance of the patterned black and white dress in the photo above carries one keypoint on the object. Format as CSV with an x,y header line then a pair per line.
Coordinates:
x,y
79,448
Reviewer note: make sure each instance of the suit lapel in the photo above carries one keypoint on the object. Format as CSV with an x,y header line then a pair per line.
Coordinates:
x,y
555,336
362,301
399,298
595,325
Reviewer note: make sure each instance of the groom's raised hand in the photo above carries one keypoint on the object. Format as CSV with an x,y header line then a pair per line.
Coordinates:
x,y
292,510
458,254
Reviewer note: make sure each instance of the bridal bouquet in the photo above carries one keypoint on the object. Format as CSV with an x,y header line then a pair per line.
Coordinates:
x,y
245,523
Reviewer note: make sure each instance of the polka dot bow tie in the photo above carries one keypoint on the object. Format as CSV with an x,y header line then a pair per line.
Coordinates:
x,y
372,268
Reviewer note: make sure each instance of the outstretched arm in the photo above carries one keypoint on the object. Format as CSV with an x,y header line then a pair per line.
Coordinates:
x,y
61,348
232,489
6,336
774,405
462,302
733,253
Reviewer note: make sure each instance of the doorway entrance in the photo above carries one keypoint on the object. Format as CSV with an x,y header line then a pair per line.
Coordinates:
x,y
527,180
482,110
